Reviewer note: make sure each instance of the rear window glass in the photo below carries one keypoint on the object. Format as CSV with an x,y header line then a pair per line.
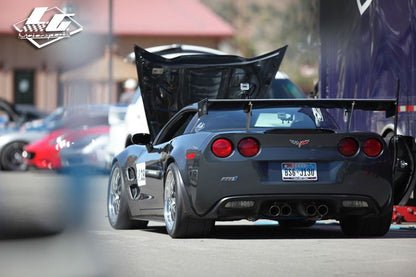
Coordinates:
x,y
280,118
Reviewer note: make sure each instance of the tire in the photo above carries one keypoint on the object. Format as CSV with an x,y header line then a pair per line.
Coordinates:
x,y
374,226
296,223
179,225
11,156
117,209
388,135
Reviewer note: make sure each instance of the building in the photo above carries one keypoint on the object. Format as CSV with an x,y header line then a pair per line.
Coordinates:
x,y
32,75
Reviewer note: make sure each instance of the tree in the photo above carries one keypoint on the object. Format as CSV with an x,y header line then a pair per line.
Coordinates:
x,y
300,30
265,25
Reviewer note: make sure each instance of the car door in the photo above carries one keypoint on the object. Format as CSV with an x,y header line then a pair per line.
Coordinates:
x,y
155,164
404,170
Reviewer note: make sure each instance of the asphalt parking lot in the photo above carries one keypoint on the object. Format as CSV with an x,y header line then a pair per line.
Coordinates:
x,y
47,239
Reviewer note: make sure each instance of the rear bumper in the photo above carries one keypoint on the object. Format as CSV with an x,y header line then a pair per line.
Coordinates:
x,y
295,206
368,181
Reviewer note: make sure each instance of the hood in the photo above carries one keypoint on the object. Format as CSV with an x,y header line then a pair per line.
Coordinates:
x,y
167,85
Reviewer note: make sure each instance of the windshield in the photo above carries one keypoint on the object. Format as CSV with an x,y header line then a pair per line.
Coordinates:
x,y
266,118
284,88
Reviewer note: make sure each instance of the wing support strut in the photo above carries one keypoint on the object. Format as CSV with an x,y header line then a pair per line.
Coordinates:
x,y
349,115
247,109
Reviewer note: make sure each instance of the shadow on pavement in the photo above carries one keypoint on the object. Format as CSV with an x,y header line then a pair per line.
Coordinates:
x,y
274,231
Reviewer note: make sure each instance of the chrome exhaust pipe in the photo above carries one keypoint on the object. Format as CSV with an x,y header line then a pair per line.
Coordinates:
x,y
274,210
323,210
286,210
311,210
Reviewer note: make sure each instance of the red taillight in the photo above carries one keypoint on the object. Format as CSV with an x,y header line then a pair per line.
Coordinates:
x,y
348,147
248,147
372,147
222,148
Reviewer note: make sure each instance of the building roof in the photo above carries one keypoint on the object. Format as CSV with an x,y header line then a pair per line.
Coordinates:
x,y
130,17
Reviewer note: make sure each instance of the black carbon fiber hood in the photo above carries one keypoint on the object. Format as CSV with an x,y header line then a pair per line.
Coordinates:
x,y
167,85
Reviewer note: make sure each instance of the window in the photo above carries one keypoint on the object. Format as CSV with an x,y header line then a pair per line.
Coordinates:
x,y
24,87
281,118
176,127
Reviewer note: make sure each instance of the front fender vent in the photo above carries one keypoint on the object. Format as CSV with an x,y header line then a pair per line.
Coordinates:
x,y
131,174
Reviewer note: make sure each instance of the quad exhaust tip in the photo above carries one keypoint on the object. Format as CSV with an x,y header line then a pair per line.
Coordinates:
x,y
323,210
276,210
313,210
286,210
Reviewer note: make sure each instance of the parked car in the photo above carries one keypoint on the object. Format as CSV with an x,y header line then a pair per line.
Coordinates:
x,y
232,158
254,159
44,153
12,143
135,121
86,153
15,115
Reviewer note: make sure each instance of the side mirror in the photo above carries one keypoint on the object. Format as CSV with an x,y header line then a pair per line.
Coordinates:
x,y
141,139
144,139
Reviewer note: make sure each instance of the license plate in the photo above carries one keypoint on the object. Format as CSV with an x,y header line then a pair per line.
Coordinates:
x,y
299,172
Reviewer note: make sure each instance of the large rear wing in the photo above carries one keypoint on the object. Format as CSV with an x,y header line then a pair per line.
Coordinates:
x,y
387,105
349,105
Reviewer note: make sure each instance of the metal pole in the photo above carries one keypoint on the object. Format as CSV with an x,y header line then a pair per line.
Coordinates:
x,y
396,116
110,49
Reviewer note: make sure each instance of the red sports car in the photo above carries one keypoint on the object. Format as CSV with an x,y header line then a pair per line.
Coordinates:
x,y
44,153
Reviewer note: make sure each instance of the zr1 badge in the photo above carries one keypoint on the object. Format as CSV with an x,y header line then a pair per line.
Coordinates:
x,y
141,174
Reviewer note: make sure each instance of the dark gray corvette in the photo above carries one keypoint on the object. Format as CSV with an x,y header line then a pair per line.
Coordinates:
x,y
232,159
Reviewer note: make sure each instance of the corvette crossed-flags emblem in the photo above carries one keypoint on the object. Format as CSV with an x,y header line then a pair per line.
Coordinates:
x,y
299,143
